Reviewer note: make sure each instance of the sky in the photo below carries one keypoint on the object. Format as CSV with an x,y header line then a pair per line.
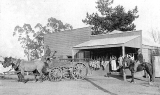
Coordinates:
x,y
18,12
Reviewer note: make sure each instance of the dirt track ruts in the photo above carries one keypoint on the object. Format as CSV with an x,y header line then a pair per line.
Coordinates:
x,y
90,86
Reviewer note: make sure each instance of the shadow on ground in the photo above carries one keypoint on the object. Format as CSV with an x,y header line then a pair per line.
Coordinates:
x,y
142,80
127,77
100,88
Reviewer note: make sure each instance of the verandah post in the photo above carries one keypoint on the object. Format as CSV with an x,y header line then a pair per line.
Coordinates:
x,y
123,54
153,66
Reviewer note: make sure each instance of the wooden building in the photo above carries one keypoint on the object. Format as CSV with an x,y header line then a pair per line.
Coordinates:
x,y
79,43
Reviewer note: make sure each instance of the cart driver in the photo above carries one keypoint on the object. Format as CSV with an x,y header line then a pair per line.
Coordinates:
x,y
139,59
47,53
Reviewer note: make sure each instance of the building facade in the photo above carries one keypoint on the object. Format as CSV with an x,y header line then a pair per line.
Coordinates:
x,y
79,43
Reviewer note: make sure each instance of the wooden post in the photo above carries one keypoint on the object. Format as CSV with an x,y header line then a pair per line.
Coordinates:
x,y
123,54
153,63
73,53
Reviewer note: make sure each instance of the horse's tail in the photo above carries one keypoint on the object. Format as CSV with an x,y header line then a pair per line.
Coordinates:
x,y
149,66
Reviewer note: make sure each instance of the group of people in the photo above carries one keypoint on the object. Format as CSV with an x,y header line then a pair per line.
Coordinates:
x,y
116,63
106,61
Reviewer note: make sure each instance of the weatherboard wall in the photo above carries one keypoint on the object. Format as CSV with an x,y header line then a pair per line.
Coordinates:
x,y
62,42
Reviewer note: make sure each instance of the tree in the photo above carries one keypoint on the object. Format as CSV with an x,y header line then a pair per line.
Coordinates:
x,y
33,41
55,25
111,18
24,37
155,34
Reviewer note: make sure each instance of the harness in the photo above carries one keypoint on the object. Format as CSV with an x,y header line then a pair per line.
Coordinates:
x,y
10,69
16,63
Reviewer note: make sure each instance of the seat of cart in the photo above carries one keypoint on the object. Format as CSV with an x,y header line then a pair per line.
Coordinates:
x,y
60,63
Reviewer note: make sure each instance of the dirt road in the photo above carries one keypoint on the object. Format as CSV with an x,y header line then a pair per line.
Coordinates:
x,y
90,86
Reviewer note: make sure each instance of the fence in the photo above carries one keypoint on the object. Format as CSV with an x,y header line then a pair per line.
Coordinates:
x,y
156,66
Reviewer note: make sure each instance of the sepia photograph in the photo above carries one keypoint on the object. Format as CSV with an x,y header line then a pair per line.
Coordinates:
x,y
79,47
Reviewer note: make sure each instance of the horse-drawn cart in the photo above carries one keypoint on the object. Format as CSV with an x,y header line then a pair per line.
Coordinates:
x,y
67,69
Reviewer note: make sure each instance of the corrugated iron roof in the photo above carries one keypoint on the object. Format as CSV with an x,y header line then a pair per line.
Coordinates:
x,y
149,42
106,41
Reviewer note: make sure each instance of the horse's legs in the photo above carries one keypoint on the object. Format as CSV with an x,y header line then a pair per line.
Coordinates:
x,y
150,75
131,68
19,77
35,77
35,72
41,75
22,72
132,74
149,70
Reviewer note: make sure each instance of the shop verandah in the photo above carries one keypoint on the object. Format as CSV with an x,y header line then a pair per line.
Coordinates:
x,y
117,42
102,55
106,53
107,48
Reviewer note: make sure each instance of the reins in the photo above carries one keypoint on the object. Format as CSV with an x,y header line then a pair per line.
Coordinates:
x,y
17,63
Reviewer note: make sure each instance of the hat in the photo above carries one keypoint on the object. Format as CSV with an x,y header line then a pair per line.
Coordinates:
x,y
47,46
139,50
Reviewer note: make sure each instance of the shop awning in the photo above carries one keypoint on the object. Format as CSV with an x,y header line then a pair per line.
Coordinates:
x,y
130,41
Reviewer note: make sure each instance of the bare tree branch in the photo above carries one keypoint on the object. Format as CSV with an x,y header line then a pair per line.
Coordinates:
x,y
155,34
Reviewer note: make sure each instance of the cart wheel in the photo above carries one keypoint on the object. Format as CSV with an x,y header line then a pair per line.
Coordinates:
x,y
79,71
55,74
66,73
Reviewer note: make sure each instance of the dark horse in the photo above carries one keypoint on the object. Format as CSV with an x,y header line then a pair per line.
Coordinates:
x,y
21,66
143,66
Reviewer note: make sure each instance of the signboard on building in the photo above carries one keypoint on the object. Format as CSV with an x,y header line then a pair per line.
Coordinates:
x,y
157,66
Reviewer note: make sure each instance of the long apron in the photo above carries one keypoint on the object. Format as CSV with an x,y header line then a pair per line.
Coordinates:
x,y
113,62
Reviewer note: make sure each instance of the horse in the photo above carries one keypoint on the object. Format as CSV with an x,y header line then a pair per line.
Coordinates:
x,y
20,76
142,66
35,66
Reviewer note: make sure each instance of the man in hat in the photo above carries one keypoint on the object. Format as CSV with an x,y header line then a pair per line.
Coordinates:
x,y
47,52
140,56
139,59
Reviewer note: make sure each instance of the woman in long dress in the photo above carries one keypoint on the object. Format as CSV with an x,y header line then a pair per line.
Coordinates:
x,y
113,63
120,60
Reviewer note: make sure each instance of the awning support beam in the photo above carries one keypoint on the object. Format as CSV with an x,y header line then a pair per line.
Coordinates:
x,y
123,54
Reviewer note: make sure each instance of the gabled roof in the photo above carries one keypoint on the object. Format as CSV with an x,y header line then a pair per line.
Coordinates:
x,y
118,38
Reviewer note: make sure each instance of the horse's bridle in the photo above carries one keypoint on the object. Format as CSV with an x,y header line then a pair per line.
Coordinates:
x,y
16,63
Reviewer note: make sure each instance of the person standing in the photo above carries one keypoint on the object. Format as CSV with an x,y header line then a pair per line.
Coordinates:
x,y
120,59
140,56
139,59
47,52
113,63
